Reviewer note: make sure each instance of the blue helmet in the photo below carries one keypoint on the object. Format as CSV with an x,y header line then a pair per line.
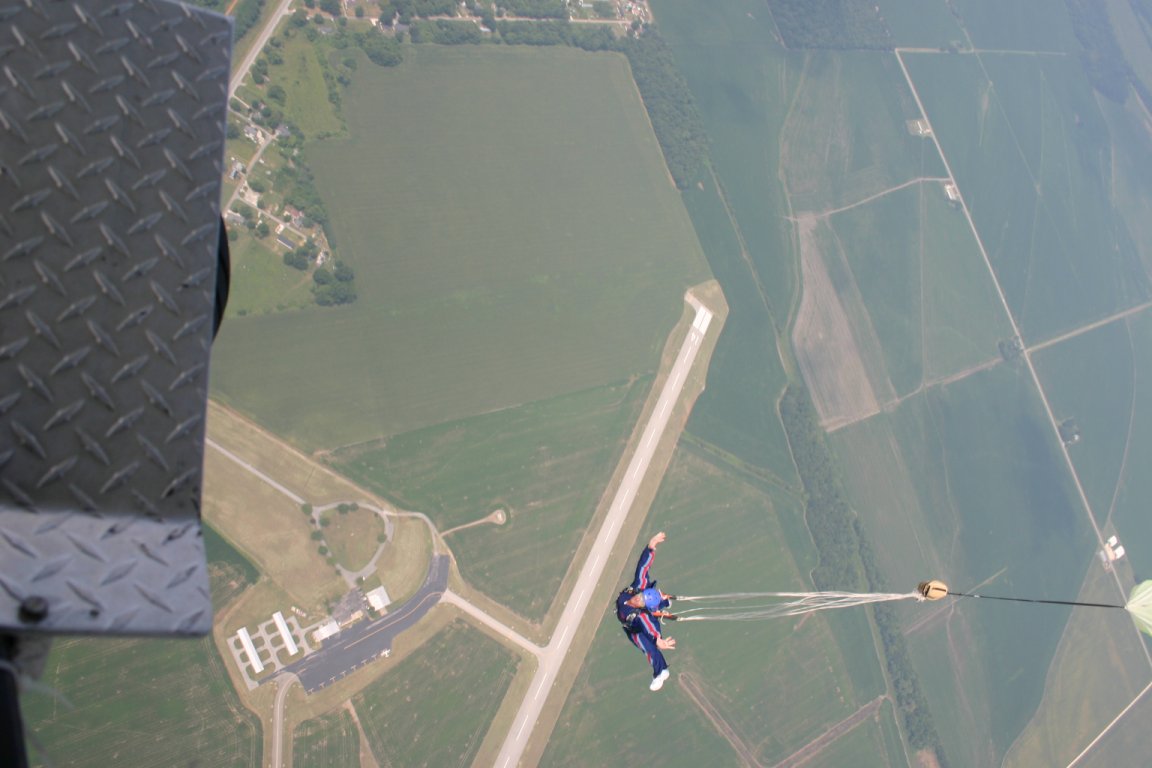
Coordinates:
x,y
652,599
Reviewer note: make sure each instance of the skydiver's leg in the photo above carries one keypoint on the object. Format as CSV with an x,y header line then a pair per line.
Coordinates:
x,y
655,657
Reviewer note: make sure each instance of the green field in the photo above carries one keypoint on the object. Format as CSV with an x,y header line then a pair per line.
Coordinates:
x,y
742,84
1103,380
434,708
545,464
926,291
1098,669
353,536
328,741
1021,25
506,250
775,684
965,483
846,137
920,24
1032,156
1091,379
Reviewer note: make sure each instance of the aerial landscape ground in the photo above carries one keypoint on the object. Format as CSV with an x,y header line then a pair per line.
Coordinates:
x,y
921,233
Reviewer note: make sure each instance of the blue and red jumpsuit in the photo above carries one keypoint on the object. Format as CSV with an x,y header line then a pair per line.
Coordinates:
x,y
642,628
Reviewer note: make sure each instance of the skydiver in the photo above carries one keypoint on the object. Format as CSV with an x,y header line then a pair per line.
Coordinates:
x,y
639,608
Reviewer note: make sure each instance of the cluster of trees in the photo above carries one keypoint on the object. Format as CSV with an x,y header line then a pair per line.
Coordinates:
x,y
410,9
334,286
845,25
534,9
847,562
671,108
1103,61
445,32
379,48
244,16
299,190
302,257
919,725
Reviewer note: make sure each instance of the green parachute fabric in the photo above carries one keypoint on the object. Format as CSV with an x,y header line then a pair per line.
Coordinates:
x,y
1140,606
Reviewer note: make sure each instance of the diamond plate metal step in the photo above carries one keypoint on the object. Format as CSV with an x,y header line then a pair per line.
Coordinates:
x,y
111,146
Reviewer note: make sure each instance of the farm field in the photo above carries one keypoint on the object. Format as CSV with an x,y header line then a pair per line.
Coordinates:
x,y
921,25
846,136
1031,155
328,741
434,708
776,698
923,286
1090,380
1098,669
1026,25
741,81
544,464
535,290
965,480
1103,381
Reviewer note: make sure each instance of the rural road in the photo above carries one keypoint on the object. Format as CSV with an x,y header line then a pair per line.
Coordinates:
x,y
283,683
239,73
552,657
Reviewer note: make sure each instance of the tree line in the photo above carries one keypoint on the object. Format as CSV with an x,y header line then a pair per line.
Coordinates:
x,y
831,24
847,562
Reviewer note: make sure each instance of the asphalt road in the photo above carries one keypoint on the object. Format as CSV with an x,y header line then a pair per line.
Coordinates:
x,y
552,657
358,645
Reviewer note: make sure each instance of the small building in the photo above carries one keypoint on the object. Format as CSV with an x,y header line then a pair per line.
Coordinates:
x,y
378,599
286,240
285,633
951,192
325,631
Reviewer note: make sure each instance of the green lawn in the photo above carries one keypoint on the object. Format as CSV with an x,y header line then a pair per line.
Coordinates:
x,y
353,536
506,249
262,283
328,741
434,708
777,684
546,464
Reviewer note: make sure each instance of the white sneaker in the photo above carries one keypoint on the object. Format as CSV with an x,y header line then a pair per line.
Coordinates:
x,y
658,681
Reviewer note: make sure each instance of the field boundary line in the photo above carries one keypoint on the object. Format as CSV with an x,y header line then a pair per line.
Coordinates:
x,y
696,693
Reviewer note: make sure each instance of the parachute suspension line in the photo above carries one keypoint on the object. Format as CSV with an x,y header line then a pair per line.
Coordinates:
x,y
786,604
1030,600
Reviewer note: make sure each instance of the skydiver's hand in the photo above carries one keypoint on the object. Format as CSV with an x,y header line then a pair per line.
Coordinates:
x,y
665,643
656,540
